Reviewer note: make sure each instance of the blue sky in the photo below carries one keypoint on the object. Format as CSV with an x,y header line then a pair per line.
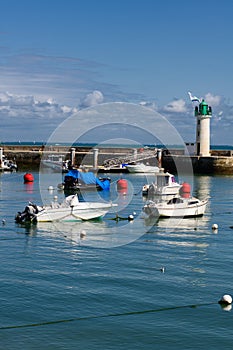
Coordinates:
x,y
59,56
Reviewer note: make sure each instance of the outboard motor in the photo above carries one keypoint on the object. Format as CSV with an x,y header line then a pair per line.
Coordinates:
x,y
28,215
69,182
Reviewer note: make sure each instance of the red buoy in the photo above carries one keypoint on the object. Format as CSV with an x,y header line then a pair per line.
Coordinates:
x,y
122,184
28,178
185,190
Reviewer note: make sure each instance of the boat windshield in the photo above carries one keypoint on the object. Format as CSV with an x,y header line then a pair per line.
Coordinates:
x,y
162,181
175,200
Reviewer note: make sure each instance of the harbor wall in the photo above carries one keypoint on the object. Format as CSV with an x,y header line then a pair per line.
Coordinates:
x,y
212,165
29,157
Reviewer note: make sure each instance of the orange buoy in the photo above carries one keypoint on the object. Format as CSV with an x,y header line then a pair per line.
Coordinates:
x,y
185,190
28,178
122,184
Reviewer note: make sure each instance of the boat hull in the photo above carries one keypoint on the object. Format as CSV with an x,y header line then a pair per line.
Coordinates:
x,y
81,212
142,168
181,210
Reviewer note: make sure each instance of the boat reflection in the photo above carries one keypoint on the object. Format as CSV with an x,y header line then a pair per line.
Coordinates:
x,y
73,231
202,188
182,223
29,186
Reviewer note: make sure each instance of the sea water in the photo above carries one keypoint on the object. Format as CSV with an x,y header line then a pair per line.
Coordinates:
x,y
126,285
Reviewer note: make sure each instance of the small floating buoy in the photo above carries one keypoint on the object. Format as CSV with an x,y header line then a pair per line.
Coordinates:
x,y
28,178
50,188
3,221
226,299
82,234
185,190
214,226
122,184
130,217
162,269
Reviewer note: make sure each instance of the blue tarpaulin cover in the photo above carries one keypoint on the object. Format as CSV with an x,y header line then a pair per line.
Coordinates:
x,y
89,178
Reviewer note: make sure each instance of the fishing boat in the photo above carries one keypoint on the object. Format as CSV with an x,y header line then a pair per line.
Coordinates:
x,y
176,207
142,168
71,209
164,184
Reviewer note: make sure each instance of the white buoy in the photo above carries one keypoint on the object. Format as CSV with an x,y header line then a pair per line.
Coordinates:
x,y
50,188
214,226
226,299
130,217
3,221
82,234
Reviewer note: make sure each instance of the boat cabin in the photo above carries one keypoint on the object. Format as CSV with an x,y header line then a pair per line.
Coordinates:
x,y
164,179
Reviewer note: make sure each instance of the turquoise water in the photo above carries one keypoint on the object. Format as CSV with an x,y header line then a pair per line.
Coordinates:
x,y
107,291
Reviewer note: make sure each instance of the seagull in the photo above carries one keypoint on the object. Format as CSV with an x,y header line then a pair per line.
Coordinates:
x,y
193,98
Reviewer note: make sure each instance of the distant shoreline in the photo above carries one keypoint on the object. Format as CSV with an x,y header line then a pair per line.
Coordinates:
x,y
103,145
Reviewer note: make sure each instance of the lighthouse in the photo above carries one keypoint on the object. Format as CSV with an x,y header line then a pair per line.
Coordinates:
x,y
203,113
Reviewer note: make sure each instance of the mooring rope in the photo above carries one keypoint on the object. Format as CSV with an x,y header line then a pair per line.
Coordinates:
x,y
92,317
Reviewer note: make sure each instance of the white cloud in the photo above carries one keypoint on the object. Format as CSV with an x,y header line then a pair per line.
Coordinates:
x,y
212,100
66,109
176,106
16,100
92,99
42,116
148,104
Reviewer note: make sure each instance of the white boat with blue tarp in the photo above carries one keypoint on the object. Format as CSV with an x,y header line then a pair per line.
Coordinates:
x,y
76,179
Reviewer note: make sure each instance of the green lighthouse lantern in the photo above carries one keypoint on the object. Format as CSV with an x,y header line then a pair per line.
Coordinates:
x,y
204,109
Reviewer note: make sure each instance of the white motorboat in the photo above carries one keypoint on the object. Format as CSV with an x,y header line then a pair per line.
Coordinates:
x,y
71,209
176,207
142,168
56,162
6,164
164,185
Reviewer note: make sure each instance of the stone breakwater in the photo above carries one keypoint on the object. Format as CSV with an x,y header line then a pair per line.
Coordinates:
x,y
219,163
29,157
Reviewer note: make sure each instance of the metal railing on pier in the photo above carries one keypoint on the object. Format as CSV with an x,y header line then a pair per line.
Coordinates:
x,y
115,162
